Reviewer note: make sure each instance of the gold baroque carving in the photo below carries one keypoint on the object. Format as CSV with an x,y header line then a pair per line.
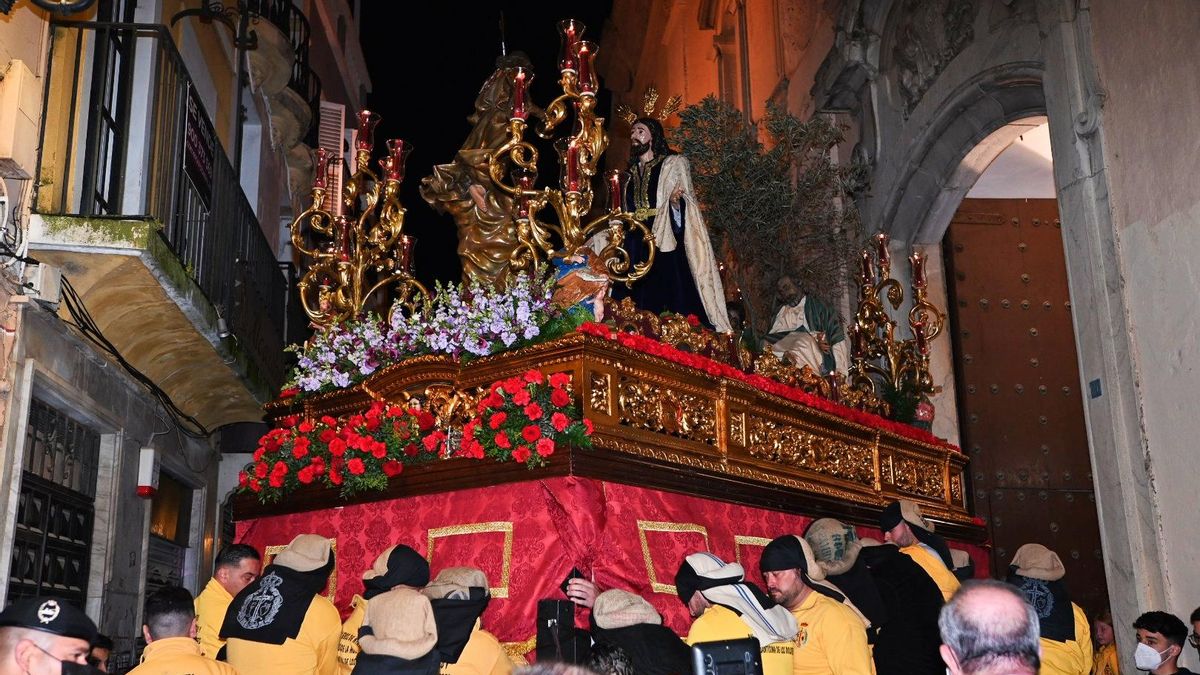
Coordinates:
x,y
643,405
919,477
956,492
599,385
792,445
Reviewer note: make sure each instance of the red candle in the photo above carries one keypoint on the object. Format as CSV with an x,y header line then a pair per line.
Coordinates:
x,y
321,166
573,166
571,31
614,190
521,81
367,121
397,155
404,251
918,269
587,69
342,227
918,328
525,181
866,268
881,248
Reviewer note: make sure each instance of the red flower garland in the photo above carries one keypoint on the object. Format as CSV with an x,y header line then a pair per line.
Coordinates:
x,y
524,419
653,347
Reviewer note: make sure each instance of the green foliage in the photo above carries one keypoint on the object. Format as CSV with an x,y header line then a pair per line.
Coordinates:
x,y
774,201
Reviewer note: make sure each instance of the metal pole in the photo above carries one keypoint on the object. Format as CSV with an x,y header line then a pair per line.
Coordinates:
x,y
241,43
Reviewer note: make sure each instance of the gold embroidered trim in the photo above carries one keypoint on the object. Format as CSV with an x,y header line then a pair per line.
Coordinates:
x,y
270,552
506,527
517,650
740,540
645,526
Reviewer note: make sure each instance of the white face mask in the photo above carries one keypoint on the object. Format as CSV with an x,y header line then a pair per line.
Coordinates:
x,y
1146,657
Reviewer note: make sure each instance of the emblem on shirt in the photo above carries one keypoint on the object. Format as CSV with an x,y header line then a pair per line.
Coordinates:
x,y
48,611
261,606
1039,596
802,636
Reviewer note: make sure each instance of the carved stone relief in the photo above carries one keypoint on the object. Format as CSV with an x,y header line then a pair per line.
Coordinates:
x,y
928,35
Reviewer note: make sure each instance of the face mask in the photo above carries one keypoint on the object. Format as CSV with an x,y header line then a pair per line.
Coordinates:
x,y
1145,657
70,667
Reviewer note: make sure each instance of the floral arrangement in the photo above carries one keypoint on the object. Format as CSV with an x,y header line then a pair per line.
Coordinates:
x,y
358,453
462,321
524,419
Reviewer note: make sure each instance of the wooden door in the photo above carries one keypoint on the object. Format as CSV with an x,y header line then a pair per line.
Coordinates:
x,y
1020,405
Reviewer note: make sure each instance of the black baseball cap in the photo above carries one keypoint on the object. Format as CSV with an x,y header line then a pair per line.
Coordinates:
x,y
51,615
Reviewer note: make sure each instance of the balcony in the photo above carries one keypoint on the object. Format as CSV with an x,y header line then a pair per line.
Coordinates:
x,y
139,206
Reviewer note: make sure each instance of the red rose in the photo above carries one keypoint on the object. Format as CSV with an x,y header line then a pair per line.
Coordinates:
x,y
335,477
299,450
512,385
533,411
425,421
544,447
531,433
337,447
258,453
328,421
255,485
372,423
276,480
327,435
560,398
305,427
290,420
534,376
431,442
289,392
411,450
305,475
521,454
392,468
243,479
279,468
502,441
260,470
379,451
693,321
560,422
560,379
521,397
356,466
587,427
497,419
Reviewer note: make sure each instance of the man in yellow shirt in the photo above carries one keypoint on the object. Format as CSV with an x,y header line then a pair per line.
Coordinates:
x,y
904,525
458,597
398,566
281,623
831,638
1066,635
725,607
170,631
236,566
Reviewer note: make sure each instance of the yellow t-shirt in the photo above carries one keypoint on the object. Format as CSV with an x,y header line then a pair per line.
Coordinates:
x,y
171,656
933,565
1073,657
722,623
211,605
1106,661
312,652
483,655
832,639
348,648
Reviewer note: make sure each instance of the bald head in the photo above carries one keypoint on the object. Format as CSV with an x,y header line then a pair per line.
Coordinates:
x,y
989,629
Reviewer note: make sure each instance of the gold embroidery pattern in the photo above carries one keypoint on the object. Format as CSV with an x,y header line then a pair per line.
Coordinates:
x,y
740,540
517,650
270,552
506,527
645,526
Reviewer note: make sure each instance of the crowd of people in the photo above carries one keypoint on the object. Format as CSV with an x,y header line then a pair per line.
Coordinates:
x,y
831,602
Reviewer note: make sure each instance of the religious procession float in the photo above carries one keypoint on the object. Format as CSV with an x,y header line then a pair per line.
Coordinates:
x,y
526,423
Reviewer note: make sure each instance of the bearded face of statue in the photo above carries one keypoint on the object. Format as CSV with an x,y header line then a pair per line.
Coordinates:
x,y
639,139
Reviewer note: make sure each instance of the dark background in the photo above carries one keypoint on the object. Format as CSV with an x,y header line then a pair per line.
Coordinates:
x,y
426,73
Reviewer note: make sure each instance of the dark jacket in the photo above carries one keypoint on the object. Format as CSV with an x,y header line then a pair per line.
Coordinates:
x,y
651,648
907,643
383,664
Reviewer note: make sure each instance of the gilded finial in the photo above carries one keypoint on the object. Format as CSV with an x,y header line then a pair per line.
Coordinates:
x,y
648,105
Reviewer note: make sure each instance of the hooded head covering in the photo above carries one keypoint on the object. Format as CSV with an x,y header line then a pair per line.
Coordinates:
x,y
909,512
399,623
834,544
616,608
1038,572
272,608
459,595
399,565
722,584
790,552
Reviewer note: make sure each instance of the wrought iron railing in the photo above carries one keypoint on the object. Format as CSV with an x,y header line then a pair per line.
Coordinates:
x,y
121,106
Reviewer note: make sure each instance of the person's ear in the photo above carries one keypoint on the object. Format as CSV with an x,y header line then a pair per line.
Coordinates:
x,y
24,653
146,634
949,658
194,629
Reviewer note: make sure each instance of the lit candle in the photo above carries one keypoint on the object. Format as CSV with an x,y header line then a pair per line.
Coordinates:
x,y
521,80
404,250
918,328
573,166
587,69
367,121
614,190
397,156
525,181
342,226
881,248
918,269
866,268
571,32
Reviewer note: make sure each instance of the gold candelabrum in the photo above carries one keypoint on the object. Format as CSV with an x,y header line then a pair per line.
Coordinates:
x,y
513,168
357,249
877,356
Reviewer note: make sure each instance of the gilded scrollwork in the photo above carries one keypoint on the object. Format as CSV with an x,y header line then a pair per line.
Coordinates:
x,y
645,405
791,445
919,477
600,386
956,491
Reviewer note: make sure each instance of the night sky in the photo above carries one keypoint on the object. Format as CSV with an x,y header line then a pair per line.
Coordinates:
x,y
426,74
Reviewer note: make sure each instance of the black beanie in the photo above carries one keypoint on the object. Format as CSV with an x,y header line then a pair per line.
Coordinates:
x,y
890,517
783,553
404,566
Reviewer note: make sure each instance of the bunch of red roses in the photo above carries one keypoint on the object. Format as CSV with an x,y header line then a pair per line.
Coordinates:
x,y
360,452
524,419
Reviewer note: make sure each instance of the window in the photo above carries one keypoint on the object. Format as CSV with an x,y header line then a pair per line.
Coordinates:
x,y
170,529
55,507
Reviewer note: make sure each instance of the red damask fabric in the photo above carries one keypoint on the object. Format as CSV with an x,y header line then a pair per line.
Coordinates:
x,y
527,536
